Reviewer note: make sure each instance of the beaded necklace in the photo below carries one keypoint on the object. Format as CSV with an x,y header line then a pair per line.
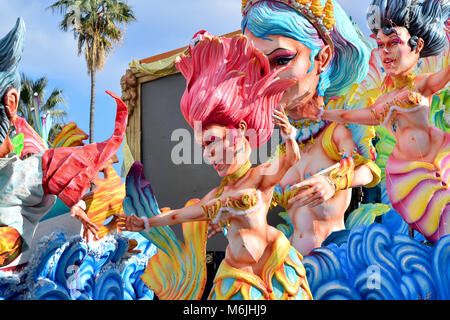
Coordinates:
x,y
307,130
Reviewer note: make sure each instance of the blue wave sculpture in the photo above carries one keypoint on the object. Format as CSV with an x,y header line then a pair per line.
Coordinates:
x,y
71,269
377,264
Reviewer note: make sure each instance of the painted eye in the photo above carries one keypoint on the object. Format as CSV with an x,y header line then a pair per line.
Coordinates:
x,y
211,141
282,61
380,45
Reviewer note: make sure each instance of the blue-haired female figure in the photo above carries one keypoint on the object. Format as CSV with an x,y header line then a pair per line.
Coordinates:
x,y
326,55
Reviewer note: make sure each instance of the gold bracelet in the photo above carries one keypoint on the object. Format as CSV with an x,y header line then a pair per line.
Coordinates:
x,y
331,182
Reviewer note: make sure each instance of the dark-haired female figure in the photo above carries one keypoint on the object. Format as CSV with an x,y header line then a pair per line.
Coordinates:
x,y
418,169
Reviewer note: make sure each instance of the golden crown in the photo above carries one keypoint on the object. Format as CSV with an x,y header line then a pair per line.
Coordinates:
x,y
322,18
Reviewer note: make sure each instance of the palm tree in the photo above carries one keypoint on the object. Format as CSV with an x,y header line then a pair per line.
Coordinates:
x,y
35,91
97,28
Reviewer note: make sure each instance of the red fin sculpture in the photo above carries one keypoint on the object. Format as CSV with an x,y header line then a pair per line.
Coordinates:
x,y
69,171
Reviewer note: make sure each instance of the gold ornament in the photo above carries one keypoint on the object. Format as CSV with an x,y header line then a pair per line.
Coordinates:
x,y
322,18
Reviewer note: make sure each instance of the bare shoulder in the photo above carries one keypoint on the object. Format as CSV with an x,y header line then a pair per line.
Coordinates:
x,y
421,80
342,136
210,195
341,132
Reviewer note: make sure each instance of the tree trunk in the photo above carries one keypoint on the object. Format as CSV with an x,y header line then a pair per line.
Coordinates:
x,y
92,110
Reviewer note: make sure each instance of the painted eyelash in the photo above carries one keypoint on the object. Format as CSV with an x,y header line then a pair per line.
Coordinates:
x,y
211,142
283,56
394,40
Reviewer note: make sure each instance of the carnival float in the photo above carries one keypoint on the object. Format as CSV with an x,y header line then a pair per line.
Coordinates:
x,y
352,202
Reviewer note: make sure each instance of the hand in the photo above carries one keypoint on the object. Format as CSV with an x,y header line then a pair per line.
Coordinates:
x,y
403,98
406,96
317,190
213,229
88,226
310,110
129,223
280,119
392,96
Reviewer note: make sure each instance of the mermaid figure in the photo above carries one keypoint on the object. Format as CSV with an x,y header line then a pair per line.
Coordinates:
x,y
418,169
230,102
326,55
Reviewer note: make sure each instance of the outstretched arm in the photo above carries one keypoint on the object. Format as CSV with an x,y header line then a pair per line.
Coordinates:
x,y
435,82
365,116
194,212
369,116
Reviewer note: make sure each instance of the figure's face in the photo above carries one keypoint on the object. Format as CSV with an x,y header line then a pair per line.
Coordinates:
x,y
282,51
8,109
395,52
224,148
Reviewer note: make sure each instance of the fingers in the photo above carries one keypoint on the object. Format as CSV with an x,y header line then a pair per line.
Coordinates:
x,y
213,229
315,195
121,224
280,118
316,203
303,96
310,200
305,183
212,233
91,229
307,192
87,230
120,216
303,198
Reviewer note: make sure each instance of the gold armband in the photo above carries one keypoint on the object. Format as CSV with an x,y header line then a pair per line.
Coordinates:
x,y
407,103
342,177
212,210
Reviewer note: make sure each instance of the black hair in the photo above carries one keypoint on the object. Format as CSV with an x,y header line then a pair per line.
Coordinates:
x,y
424,19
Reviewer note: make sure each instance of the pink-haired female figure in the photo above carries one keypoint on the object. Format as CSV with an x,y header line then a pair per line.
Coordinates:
x,y
230,101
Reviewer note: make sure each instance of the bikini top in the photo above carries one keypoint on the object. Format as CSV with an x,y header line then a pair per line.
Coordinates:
x,y
246,204
403,106
281,195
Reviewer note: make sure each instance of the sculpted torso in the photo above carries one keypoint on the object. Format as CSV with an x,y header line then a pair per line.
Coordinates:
x,y
313,224
416,139
249,235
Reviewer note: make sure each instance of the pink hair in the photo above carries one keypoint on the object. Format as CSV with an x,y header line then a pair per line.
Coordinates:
x,y
228,80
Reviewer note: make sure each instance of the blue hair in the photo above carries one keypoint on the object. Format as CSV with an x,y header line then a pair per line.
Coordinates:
x,y
350,61
11,48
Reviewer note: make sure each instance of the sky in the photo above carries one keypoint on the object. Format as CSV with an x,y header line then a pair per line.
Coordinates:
x,y
161,26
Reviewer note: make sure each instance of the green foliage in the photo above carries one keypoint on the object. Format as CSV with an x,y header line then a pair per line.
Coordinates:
x,y
384,146
440,107
97,25
365,214
287,228
17,142
48,104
